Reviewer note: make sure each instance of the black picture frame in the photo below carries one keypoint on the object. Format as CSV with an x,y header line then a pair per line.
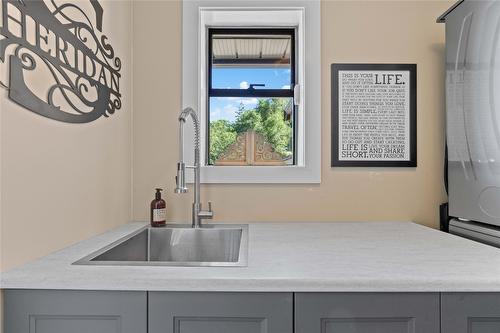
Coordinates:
x,y
412,69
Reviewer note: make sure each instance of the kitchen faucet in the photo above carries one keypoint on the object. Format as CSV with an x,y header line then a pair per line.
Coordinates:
x,y
197,214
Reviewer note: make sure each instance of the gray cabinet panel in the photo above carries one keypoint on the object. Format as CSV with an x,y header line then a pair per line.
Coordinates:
x,y
470,312
59,311
205,312
366,313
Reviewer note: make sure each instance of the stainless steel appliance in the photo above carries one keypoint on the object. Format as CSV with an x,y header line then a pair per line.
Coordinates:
x,y
473,116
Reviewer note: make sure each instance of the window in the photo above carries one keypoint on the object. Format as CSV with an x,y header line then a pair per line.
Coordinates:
x,y
256,88
251,110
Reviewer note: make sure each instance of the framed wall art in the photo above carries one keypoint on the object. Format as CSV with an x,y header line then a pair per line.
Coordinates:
x,y
374,121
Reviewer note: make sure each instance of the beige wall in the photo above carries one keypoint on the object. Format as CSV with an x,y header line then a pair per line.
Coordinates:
x,y
61,183
352,31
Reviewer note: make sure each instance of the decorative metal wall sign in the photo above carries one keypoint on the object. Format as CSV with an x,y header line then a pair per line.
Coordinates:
x,y
67,40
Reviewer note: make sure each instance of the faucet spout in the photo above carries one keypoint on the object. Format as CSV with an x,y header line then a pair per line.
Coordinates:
x,y
180,179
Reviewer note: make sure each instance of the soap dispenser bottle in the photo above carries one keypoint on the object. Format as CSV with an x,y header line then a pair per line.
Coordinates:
x,y
158,210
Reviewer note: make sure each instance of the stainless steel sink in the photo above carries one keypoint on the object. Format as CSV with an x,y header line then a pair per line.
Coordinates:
x,y
176,245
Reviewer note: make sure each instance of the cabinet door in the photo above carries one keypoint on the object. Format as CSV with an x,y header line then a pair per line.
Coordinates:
x,y
366,313
58,311
470,312
205,312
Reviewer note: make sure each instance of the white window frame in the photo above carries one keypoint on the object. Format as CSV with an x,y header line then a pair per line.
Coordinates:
x,y
198,16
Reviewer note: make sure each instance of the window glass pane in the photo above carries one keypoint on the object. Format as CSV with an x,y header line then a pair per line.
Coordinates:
x,y
242,60
241,78
251,131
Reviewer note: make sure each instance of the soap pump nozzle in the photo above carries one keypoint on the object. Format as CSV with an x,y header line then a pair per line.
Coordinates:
x,y
158,193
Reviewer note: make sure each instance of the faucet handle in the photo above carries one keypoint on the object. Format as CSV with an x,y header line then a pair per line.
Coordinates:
x,y
206,214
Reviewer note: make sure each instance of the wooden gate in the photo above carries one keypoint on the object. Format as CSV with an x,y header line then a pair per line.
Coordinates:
x,y
250,148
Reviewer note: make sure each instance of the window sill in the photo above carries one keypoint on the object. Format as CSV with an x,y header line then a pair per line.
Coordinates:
x,y
260,175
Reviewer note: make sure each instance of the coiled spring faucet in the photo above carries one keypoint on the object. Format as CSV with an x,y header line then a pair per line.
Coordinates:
x,y
197,214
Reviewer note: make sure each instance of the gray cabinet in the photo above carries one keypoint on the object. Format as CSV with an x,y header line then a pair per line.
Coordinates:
x,y
470,312
205,312
367,313
65,311
61,311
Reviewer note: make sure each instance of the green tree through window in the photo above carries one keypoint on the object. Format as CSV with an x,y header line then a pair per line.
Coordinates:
x,y
268,118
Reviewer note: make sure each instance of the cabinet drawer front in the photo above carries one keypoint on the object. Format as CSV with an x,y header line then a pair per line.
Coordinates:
x,y
60,311
470,312
205,312
366,313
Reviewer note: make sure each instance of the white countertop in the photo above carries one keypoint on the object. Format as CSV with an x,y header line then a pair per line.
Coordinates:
x,y
319,257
